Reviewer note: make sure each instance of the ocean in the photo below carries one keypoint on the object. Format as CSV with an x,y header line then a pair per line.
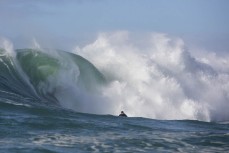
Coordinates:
x,y
56,101
44,129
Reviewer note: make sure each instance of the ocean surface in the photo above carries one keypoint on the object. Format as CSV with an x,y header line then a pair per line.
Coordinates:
x,y
55,102
40,129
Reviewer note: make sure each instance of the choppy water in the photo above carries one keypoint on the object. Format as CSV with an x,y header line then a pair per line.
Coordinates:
x,y
27,128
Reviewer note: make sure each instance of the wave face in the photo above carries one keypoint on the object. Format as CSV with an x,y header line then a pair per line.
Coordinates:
x,y
157,79
56,77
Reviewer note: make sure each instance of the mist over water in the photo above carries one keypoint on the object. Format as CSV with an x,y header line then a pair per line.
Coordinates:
x,y
154,77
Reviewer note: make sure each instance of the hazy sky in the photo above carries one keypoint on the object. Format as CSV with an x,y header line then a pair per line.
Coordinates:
x,y
202,22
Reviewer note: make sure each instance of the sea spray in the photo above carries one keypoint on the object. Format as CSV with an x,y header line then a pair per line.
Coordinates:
x,y
6,45
164,81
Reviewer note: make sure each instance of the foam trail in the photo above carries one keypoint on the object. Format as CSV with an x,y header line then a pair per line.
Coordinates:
x,y
162,80
9,52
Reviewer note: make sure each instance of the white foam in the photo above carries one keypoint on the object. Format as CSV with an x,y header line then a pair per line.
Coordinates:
x,y
8,46
163,81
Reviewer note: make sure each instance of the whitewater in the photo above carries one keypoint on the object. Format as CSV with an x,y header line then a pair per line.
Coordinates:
x,y
53,100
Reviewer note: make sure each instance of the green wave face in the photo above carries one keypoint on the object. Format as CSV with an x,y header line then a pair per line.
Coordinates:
x,y
37,65
89,74
55,77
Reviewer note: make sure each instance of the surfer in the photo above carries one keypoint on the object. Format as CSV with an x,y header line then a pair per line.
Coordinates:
x,y
123,114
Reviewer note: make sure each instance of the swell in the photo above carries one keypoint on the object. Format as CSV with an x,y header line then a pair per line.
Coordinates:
x,y
38,75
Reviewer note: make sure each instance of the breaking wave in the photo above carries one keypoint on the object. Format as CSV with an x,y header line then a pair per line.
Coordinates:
x,y
156,77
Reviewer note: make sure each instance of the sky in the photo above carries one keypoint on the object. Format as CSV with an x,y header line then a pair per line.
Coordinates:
x,y
203,23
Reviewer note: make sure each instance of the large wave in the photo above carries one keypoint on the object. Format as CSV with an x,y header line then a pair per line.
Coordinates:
x,y
154,77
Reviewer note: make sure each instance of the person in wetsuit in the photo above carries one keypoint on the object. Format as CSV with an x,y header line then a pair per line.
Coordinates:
x,y
123,114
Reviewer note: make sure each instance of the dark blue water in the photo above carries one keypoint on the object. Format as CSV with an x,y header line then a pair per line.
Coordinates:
x,y
31,128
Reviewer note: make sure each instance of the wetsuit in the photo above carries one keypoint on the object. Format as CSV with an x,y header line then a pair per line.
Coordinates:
x,y
124,115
